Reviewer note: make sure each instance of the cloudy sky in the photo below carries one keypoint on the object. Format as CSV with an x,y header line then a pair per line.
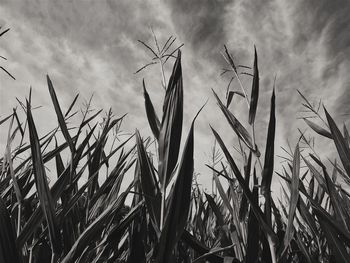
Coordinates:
x,y
91,47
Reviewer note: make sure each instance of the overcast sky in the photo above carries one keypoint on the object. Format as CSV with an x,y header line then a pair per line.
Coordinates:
x,y
91,47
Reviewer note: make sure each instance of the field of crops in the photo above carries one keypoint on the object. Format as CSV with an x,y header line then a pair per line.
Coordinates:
x,y
85,215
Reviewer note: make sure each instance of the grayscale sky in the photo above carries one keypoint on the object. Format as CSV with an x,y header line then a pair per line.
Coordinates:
x,y
90,47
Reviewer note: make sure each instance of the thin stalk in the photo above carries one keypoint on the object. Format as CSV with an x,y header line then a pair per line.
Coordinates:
x,y
19,218
213,162
253,131
53,257
31,252
159,57
272,249
243,90
162,208
241,149
162,72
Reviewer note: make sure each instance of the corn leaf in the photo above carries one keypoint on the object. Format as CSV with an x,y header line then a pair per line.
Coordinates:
x,y
335,244
303,248
256,209
243,209
72,105
230,97
94,229
340,143
151,114
59,163
137,247
59,115
346,135
269,160
46,201
255,90
294,197
149,183
237,127
8,249
222,194
171,126
318,129
253,229
117,231
199,247
180,201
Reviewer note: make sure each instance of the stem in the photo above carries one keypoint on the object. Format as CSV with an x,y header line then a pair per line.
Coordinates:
x,y
19,218
272,249
31,254
53,257
213,161
162,208
241,148
254,142
162,72
243,90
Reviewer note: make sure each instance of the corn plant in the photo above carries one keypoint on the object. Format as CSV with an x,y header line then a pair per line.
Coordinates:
x,y
71,219
63,196
312,228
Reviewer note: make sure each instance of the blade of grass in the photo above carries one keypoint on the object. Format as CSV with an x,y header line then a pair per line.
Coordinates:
x,y
255,90
294,196
269,161
244,202
72,105
230,96
149,184
171,126
151,114
59,115
340,143
237,127
318,129
46,201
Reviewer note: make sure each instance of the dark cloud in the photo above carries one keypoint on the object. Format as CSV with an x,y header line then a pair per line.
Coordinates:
x,y
315,18
329,22
201,24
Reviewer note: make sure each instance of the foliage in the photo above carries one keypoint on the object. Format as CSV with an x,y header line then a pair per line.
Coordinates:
x,y
79,215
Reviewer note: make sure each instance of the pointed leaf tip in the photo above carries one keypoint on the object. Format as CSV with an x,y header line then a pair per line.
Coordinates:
x,y
255,90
